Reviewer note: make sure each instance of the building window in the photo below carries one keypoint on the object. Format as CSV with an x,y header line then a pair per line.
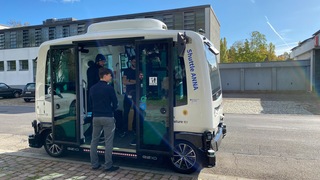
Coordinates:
x,y
25,37
81,28
1,65
59,33
189,21
13,39
73,30
66,31
23,65
11,65
2,41
168,20
38,37
52,32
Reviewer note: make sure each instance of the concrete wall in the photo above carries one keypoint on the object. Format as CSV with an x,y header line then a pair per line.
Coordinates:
x,y
266,76
213,29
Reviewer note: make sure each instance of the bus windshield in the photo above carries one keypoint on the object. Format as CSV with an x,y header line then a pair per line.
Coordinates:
x,y
213,70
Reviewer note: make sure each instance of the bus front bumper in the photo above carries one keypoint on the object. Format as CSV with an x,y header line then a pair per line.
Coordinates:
x,y
214,145
222,132
35,139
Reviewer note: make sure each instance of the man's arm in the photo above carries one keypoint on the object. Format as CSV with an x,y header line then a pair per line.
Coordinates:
x,y
127,81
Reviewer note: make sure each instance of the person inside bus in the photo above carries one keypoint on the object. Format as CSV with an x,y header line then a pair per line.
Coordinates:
x,y
104,102
129,80
93,70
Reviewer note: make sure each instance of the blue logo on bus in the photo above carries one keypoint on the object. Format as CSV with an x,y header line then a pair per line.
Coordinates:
x,y
192,70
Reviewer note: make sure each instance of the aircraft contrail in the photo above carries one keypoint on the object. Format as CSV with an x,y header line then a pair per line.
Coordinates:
x,y
276,32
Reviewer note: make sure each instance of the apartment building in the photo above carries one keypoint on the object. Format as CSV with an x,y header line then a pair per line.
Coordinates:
x,y
19,45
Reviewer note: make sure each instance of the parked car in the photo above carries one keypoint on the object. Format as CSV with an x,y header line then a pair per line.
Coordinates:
x,y
7,91
28,93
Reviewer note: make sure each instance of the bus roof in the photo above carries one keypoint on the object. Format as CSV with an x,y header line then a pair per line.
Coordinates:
x,y
142,23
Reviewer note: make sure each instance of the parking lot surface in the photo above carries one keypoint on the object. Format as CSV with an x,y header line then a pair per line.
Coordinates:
x,y
18,161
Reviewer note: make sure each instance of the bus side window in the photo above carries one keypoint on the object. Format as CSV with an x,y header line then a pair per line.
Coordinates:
x,y
180,86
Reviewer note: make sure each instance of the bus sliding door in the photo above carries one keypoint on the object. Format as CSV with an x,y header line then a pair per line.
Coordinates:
x,y
65,126
154,96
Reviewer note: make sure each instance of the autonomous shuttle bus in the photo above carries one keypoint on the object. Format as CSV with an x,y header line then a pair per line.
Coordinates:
x,y
178,97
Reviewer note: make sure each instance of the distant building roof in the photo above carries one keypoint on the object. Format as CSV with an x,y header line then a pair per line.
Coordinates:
x,y
316,33
54,20
302,42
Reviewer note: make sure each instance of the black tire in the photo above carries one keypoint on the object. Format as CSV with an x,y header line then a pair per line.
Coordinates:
x,y
185,158
54,150
16,94
27,100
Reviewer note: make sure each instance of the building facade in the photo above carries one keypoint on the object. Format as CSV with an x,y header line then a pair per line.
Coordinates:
x,y
310,49
19,46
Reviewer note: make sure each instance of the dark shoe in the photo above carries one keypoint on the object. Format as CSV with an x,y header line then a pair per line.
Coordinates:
x,y
123,134
133,143
95,168
113,168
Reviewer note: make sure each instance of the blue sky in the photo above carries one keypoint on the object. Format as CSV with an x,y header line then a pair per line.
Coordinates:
x,y
284,22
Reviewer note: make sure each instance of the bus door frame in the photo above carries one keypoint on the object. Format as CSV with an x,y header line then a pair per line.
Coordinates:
x,y
141,150
77,126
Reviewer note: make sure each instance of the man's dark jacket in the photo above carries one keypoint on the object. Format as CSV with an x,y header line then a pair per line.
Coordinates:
x,y
103,100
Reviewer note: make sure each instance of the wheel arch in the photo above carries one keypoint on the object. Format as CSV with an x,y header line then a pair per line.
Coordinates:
x,y
193,138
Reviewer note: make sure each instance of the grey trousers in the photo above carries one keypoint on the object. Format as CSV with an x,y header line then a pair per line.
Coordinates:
x,y
108,125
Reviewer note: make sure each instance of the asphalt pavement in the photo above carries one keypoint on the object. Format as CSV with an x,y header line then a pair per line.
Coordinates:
x,y
18,161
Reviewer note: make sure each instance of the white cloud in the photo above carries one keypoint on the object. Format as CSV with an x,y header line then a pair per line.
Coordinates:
x,y
274,30
281,48
280,51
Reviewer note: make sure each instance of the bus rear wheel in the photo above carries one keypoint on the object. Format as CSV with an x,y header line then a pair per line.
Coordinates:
x,y
185,157
54,150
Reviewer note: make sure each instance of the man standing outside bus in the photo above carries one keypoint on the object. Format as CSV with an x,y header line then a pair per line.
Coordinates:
x,y
93,78
104,102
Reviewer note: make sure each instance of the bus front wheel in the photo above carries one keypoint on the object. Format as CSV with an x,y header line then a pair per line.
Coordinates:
x,y
185,157
54,150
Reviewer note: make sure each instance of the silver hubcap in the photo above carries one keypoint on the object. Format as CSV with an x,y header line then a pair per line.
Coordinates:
x,y
53,148
184,156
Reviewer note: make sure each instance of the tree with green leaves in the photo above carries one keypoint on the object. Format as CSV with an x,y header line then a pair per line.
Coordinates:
x,y
254,49
224,51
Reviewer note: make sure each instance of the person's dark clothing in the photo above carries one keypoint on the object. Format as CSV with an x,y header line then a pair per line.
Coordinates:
x,y
103,100
127,103
129,100
131,75
93,78
93,75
